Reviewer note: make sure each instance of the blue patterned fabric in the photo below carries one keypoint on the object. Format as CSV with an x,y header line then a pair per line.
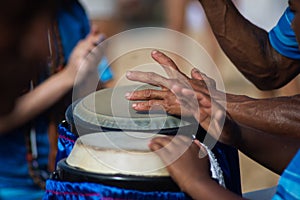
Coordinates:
x,y
66,190
283,38
65,142
15,181
289,182
73,25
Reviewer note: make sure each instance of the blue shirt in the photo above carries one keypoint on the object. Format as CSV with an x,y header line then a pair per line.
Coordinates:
x,y
74,26
283,38
289,182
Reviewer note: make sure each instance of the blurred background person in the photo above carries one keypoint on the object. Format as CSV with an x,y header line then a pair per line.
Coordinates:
x,y
29,149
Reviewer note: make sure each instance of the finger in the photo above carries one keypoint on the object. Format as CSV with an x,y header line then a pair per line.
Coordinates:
x,y
95,56
198,143
183,139
201,149
98,48
185,95
196,74
92,37
203,100
146,94
87,45
148,77
99,39
218,116
187,100
148,105
196,103
170,147
158,143
95,29
168,64
155,145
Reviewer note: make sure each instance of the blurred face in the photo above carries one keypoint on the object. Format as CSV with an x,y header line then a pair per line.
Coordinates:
x,y
295,7
23,47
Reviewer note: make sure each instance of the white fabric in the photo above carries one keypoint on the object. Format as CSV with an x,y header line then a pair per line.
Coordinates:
x,y
216,171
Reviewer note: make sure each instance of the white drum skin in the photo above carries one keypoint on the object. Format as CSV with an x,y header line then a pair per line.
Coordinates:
x,y
117,153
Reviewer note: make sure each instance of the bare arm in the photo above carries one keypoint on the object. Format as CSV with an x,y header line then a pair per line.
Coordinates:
x,y
272,151
248,47
280,116
51,90
258,144
277,115
36,101
175,14
187,169
191,172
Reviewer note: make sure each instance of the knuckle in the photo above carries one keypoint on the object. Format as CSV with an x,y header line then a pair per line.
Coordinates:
x,y
147,93
150,75
169,61
152,102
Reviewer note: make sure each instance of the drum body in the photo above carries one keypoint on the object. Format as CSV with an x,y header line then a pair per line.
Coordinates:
x,y
108,111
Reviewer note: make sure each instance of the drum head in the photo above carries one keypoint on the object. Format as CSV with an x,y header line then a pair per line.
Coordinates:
x,y
109,109
73,174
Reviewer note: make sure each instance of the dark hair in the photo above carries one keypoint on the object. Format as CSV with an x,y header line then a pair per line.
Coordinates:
x,y
16,10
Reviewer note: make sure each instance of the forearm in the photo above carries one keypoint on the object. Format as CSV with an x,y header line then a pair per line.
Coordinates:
x,y
279,116
248,47
175,12
209,189
272,151
37,100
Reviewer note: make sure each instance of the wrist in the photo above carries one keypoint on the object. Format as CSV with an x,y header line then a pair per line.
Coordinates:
x,y
68,77
199,189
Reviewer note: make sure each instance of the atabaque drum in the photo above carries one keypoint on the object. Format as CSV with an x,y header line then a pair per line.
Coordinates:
x,y
113,165
108,110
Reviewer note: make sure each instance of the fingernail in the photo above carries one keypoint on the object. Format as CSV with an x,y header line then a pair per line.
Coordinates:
x,y
154,51
127,94
134,105
196,70
101,39
128,73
